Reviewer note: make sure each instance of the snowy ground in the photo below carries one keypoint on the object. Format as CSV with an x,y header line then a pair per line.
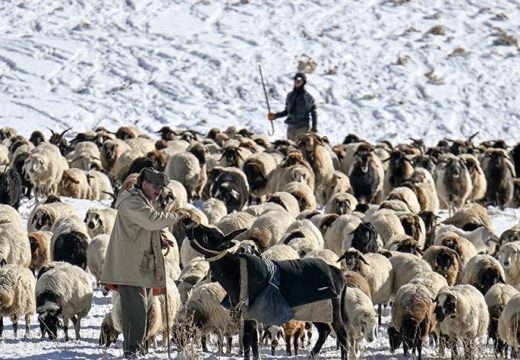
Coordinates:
x,y
426,68
88,348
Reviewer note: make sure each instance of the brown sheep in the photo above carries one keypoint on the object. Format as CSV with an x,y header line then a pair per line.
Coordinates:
x,y
40,242
356,280
399,169
314,150
470,217
478,179
453,183
294,330
444,261
414,226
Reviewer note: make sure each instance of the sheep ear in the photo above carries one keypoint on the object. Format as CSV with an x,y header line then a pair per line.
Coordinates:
x,y
342,257
362,258
233,234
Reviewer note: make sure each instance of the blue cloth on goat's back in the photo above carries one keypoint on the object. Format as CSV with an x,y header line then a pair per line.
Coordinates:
x,y
302,281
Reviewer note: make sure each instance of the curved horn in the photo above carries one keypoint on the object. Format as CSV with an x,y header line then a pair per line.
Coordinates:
x,y
52,131
473,136
64,131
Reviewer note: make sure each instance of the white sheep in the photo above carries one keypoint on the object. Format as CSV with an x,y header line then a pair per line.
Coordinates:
x,y
337,183
189,170
268,229
339,232
14,246
462,313
258,168
303,193
280,252
324,254
44,168
362,319
423,185
214,209
100,221
44,215
405,267
204,309
407,196
86,156
509,257
141,145
482,271
235,221
378,272
303,236
122,164
386,222
260,209
496,299
174,196
191,274
4,155
478,178
341,203
286,200
431,280
96,252
9,214
17,286
509,323
482,237
100,185
64,291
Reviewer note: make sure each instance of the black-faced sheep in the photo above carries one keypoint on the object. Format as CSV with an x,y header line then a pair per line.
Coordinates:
x,y
461,313
482,271
444,261
100,221
230,185
70,241
258,168
341,203
64,291
44,215
399,169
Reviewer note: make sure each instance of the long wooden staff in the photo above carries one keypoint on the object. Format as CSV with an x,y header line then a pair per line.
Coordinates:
x,y
266,99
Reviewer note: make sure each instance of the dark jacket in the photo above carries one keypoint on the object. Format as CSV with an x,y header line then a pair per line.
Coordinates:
x,y
299,104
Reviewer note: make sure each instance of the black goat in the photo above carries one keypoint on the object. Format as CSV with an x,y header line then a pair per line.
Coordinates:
x,y
59,140
226,267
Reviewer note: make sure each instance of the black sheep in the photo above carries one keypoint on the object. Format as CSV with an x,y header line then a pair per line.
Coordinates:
x,y
11,188
72,248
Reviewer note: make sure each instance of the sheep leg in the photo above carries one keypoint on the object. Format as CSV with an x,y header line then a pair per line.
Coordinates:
x,y
27,325
405,348
66,328
454,350
379,313
76,323
295,344
287,344
419,348
229,344
308,327
1,325
204,343
340,326
250,339
14,320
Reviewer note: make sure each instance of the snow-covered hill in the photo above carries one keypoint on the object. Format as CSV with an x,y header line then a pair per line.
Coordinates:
x,y
382,69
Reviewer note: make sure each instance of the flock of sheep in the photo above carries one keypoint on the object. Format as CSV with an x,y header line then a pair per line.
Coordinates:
x,y
371,209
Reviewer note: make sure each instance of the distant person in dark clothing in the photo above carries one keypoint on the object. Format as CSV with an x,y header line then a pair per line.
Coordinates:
x,y
300,108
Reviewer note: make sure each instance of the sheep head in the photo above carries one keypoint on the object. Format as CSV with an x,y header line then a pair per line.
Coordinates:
x,y
353,259
92,220
446,305
107,335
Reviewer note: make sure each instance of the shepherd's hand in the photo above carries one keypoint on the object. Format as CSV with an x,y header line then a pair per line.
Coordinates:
x,y
166,243
271,116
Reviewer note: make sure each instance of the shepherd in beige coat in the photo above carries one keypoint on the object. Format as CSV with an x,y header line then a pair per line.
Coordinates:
x,y
134,263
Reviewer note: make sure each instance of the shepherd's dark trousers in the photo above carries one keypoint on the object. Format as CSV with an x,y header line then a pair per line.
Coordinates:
x,y
135,307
